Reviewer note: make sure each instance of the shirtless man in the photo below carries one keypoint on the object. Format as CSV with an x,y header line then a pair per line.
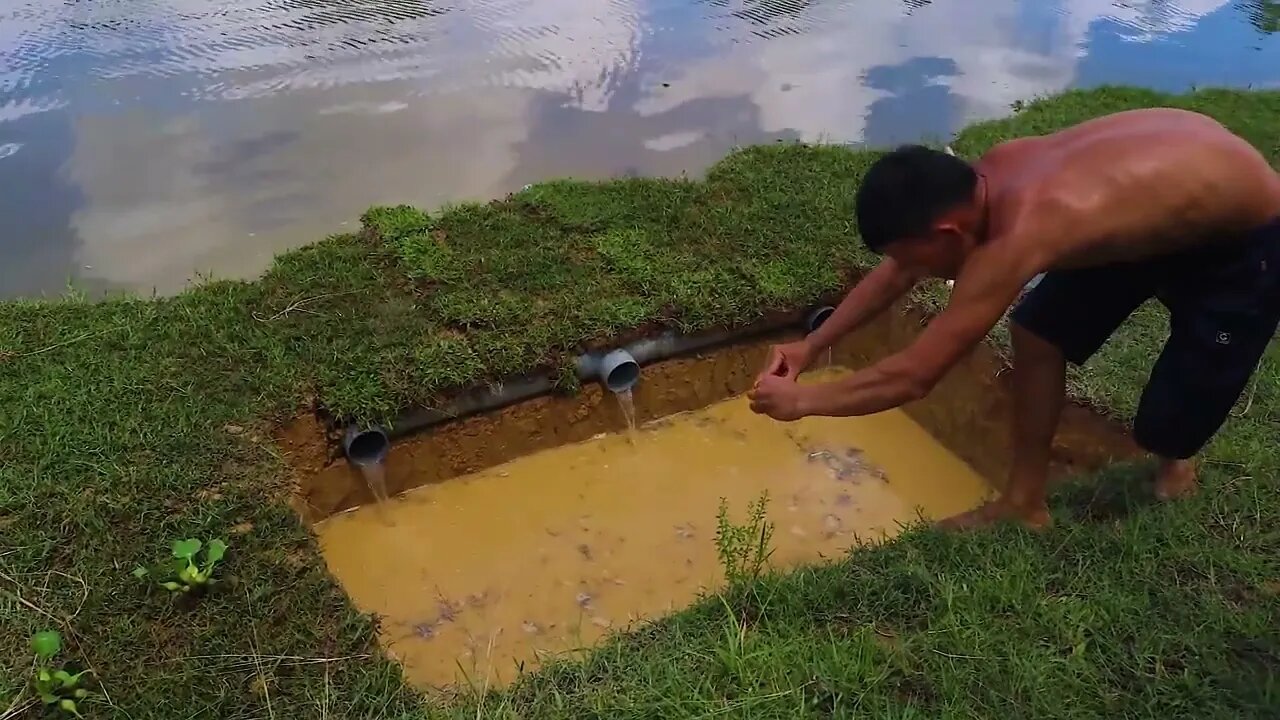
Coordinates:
x,y
1157,203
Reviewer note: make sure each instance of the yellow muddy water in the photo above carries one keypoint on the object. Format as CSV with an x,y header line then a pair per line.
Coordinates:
x,y
549,552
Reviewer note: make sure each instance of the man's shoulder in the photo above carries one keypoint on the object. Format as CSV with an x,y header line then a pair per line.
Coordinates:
x,y
1031,227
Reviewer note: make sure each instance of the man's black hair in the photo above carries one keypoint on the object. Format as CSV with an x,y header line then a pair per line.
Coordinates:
x,y
906,190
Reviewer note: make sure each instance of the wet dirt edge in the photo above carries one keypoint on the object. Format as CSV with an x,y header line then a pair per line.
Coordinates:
x,y
969,412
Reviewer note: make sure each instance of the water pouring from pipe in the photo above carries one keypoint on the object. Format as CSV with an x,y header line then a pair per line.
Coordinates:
x,y
619,372
815,319
366,449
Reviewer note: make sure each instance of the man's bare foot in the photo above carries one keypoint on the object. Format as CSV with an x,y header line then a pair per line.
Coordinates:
x,y
1175,478
1036,518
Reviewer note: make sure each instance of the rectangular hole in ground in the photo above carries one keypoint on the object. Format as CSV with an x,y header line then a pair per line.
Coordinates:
x,y
556,526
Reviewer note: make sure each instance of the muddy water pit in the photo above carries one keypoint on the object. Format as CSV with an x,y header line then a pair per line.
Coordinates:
x,y
556,526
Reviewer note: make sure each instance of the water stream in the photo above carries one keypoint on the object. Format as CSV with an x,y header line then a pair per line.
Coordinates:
x,y
375,476
626,401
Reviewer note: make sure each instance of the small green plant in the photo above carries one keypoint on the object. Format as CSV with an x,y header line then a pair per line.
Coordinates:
x,y
188,574
744,549
55,687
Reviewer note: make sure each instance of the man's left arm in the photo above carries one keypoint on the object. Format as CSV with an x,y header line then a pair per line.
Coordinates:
x,y
980,297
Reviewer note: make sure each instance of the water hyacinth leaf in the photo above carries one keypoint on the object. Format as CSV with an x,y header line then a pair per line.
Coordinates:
x,y
71,681
69,705
46,643
171,586
49,698
140,572
63,677
217,549
186,549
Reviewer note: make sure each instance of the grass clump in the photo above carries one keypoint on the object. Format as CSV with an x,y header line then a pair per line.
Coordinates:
x,y
129,422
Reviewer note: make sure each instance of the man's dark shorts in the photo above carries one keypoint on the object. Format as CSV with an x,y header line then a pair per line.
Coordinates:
x,y
1224,304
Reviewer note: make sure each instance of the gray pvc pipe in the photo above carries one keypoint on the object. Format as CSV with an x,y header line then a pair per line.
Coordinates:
x,y
617,370
365,445
817,317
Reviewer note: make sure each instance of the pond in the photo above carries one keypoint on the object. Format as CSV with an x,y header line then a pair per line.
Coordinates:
x,y
149,143
544,555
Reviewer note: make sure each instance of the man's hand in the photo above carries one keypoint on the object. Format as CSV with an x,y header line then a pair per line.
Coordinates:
x,y
778,397
787,360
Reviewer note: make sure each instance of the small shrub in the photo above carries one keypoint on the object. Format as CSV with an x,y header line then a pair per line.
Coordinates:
x,y
744,549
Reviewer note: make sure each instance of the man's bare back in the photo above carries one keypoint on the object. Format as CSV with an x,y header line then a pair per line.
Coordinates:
x,y
1126,186
1157,203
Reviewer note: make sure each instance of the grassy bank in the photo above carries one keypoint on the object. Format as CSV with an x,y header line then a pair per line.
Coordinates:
x,y
128,424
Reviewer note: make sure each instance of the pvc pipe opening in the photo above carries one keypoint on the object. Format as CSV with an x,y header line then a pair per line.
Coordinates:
x,y
619,371
366,446
817,317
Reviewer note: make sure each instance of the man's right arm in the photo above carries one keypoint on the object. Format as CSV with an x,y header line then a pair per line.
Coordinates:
x,y
870,297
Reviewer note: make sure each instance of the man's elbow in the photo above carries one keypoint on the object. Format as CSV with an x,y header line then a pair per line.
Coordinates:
x,y
912,378
917,385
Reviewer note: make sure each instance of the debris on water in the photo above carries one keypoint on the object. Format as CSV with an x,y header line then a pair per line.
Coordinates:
x,y
684,531
584,600
831,522
448,610
844,499
426,630
531,628
585,551
798,531
601,622
849,465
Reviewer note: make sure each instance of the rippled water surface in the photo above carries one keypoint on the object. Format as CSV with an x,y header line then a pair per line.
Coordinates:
x,y
145,143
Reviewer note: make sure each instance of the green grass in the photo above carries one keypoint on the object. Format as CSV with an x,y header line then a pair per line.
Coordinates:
x,y
129,423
